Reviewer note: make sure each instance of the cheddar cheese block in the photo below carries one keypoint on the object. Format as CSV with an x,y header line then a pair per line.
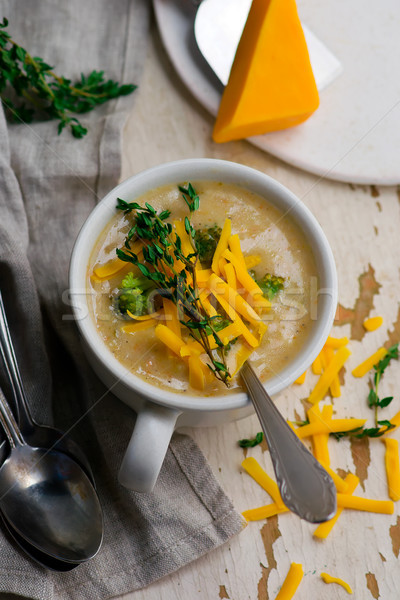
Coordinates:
x,y
271,85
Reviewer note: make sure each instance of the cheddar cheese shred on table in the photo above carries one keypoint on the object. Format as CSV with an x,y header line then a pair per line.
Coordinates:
x,y
330,579
291,583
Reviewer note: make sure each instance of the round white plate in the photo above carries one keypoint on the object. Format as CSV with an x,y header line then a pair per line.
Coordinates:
x,y
354,135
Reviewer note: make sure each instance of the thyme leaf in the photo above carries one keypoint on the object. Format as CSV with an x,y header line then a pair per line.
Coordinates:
x,y
250,443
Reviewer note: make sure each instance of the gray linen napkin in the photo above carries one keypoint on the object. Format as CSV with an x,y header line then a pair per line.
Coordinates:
x,y
49,184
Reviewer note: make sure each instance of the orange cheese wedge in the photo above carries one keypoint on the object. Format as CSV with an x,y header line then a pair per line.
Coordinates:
x,y
271,85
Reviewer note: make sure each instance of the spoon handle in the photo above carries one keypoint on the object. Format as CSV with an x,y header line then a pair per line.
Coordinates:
x,y
9,424
10,362
306,488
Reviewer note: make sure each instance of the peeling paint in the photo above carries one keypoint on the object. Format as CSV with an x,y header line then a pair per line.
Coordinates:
x,y
372,585
360,451
376,230
269,534
375,193
342,473
368,287
297,416
394,334
383,559
341,375
394,533
222,592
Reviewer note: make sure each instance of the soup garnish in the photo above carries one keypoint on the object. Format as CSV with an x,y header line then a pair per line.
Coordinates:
x,y
188,298
172,271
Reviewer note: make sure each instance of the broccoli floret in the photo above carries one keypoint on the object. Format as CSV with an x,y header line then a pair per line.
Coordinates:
x,y
206,241
271,285
130,281
133,295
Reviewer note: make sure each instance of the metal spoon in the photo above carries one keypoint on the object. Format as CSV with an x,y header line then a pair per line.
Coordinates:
x,y
47,498
43,559
306,488
37,435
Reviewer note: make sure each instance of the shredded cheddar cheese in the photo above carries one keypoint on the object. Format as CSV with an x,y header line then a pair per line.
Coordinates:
x,y
320,440
317,365
153,316
114,266
187,247
221,246
230,276
202,275
241,356
254,469
330,579
358,503
208,307
368,364
324,529
139,326
221,289
340,483
392,465
264,512
196,373
328,375
329,426
108,270
171,316
291,583
334,388
169,338
373,323
242,274
394,421
300,380
335,343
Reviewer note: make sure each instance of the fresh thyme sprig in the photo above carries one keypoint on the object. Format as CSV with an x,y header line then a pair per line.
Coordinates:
x,y
190,197
374,402
162,249
47,94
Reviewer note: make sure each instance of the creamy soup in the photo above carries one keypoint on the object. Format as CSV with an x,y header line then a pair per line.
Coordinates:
x,y
264,232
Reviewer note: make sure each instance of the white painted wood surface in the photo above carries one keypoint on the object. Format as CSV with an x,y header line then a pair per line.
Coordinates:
x,y
363,227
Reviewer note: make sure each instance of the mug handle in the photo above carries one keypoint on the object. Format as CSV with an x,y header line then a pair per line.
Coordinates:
x,y
147,448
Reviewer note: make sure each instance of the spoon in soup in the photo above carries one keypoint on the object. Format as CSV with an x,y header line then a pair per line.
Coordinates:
x,y
306,488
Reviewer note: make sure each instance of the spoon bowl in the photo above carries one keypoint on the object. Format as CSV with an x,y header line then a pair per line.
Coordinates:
x,y
306,488
43,559
51,503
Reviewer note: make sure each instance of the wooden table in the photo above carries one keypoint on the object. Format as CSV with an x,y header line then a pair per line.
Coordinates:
x,y
362,224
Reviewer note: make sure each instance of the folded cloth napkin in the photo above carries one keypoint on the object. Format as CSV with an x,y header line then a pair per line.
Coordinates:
x,y
49,184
